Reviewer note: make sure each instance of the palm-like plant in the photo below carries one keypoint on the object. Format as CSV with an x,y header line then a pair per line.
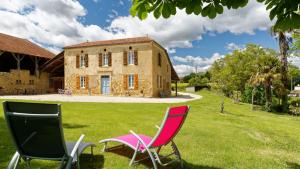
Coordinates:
x,y
268,70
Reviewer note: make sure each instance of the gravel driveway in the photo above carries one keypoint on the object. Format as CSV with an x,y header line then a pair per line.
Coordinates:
x,y
182,97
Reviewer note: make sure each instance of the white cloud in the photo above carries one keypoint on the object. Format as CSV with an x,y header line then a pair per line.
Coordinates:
x,y
232,46
183,69
171,50
294,60
58,23
198,60
181,29
188,64
121,2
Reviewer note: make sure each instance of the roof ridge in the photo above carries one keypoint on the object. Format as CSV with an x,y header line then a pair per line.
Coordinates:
x,y
97,42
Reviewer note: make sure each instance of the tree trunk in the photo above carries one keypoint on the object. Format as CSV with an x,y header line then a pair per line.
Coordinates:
x,y
253,95
268,94
284,47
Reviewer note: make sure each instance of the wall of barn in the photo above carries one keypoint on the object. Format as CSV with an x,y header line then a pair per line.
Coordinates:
x,y
17,82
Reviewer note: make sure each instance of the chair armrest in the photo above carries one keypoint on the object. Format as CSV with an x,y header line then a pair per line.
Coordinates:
x,y
75,148
139,138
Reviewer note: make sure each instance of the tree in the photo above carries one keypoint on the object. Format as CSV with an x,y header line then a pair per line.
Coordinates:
x,y
294,72
268,70
284,10
286,13
235,69
296,43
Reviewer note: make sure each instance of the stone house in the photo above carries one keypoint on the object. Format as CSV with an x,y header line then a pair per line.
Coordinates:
x,y
121,67
20,62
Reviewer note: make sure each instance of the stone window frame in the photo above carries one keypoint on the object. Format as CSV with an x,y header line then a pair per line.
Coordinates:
x,y
82,82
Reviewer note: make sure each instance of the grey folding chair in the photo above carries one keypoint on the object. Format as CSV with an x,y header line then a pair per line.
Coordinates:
x,y
37,133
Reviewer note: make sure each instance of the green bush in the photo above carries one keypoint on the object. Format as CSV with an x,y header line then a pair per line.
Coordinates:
x,y
259,98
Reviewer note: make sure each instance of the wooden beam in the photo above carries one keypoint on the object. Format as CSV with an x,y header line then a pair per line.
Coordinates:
x,y
36,61
18,59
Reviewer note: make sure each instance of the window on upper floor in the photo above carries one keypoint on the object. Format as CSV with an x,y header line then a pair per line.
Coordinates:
x,y
82,61
159,59
131,57
105,59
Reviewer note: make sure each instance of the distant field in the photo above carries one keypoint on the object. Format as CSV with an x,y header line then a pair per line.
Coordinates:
x,y
180,86
240,138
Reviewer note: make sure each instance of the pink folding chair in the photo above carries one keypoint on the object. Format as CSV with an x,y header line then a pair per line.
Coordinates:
x,y
170,126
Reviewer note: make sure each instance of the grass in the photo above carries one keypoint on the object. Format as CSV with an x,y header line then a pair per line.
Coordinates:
x,y
240,138
180,86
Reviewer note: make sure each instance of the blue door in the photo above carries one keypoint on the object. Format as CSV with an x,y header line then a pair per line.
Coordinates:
x,y
105,85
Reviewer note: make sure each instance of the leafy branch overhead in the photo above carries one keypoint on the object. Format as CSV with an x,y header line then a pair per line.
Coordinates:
x,y
286,12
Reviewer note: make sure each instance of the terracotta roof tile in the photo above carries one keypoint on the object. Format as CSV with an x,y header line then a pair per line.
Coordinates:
x,y
22,46
111,42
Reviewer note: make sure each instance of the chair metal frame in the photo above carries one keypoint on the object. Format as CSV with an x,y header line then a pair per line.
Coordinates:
x,y
69,158
152,151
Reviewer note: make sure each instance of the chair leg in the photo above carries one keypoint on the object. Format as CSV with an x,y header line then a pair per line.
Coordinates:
x,y
133,157
28,164
78,159
177,153
152,158
104,147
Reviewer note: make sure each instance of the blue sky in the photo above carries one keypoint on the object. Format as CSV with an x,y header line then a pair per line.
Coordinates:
x,y
191,40
102,12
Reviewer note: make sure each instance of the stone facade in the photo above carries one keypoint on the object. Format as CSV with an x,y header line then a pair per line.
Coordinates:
x,y
21,82
145,71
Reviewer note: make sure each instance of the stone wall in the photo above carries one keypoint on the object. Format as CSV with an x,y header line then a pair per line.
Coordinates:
x,y
163,71
21,82
116,71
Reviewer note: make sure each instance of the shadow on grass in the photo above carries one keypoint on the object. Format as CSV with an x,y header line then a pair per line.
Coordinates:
x,y
128,152
293,165
91,161
6,145
73,126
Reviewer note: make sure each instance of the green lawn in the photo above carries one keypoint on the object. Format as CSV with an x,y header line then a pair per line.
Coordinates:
x,y
241,138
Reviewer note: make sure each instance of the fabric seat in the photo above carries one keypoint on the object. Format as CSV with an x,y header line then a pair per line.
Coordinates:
x,y
131,141
174,118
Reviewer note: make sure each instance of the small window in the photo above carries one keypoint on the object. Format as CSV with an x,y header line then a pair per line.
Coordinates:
x,y
105,59
131,57
82,61
159,59
131,81
82,81
31,82
18,82
158,81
